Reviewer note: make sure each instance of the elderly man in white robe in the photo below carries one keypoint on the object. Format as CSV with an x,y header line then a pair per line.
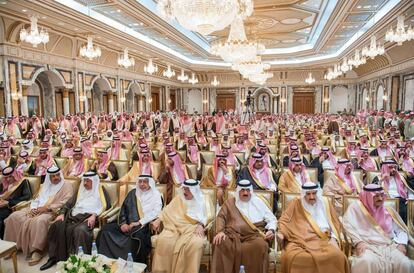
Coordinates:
x,y
27,227
378,234
244,225
180,245
73,228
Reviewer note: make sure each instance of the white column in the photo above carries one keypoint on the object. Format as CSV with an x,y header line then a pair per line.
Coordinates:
x,y
110,102
148,96
167,98
23,101
65,102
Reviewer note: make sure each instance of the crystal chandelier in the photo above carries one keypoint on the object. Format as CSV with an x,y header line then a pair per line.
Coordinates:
x,y
400,35
260,78
357,60
374,49
125,61
182,77
89,50
254,66
215,82
310,79
237,48
204,16
329,75
193,79
34,36
150,68
345,67
169,73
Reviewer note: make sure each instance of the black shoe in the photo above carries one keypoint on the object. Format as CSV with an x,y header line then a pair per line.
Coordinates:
x,y
48,264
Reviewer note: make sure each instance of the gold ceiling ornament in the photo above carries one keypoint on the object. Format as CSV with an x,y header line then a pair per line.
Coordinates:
x,y
400,35
237,48
204,16
33,35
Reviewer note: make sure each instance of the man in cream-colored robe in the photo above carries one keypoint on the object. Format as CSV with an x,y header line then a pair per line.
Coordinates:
x,y
180,245
378,234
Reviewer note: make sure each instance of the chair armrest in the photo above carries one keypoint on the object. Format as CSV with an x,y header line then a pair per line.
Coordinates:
x,y
21,205
209,229
111,216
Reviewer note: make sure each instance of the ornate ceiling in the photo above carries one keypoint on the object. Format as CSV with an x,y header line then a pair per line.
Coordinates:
x,y
296,32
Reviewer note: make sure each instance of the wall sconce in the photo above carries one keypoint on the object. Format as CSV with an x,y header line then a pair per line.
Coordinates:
x,y
169,101
385,97
367,99
205,101
326,100
283,100
150,100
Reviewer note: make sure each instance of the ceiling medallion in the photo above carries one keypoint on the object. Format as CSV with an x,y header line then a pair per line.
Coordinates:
x,y
169,73
204,16
400,35
89,50
150,68
125,61
34,36
237,48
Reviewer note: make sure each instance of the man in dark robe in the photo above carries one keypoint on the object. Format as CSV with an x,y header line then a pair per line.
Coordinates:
x,y
73,228
131,233
13,190
240,239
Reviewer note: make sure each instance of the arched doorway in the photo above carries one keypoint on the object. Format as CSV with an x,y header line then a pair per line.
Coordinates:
x,y
42,95
133,98
99,100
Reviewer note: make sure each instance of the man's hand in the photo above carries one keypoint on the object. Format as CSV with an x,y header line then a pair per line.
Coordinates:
x,y
60,218
199,231
280,238
134,224
4,203
91,221
155,225
270,235
125,228
403,249
360,248
220,237
223,167
41,210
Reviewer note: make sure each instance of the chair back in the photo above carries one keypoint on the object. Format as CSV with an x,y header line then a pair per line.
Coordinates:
x,y
286,198
34,182
61,161
54,150
192,170
410,216
75,182
240,157
389,202
122,167
156,154
183,155
162,188
205,169
112,188
208,156
272,148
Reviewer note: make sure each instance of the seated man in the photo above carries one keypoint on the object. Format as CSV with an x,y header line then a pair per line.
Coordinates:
x,y
43,162
27,227
378,234
77,165
239,239
14,188
220,176
260,175
131,233
103,166
291,181
311,230
394,185
175,173
383,151
324,161
364,162
74,225
294,152
343,182
181,243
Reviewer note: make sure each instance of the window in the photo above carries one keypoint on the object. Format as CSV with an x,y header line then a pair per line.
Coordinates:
x,y
33,105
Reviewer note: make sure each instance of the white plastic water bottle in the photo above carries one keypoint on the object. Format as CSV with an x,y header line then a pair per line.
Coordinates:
x,y
94,249
80,251
130,263
242,269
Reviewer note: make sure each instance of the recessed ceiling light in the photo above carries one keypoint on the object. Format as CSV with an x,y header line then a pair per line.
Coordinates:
x,y
24,10
359,7
3,2
109,41
61,23
99,37
76,29
367,7
141,23
118,10
44,17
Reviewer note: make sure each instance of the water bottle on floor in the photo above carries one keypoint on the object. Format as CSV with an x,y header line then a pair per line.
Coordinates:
x,y
130,263
242,269
80,251
94,249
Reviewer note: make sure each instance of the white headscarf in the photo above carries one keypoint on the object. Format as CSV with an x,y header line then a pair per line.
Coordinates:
x,y
48,190
151,201
318,210
255,209
195,207
89,201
